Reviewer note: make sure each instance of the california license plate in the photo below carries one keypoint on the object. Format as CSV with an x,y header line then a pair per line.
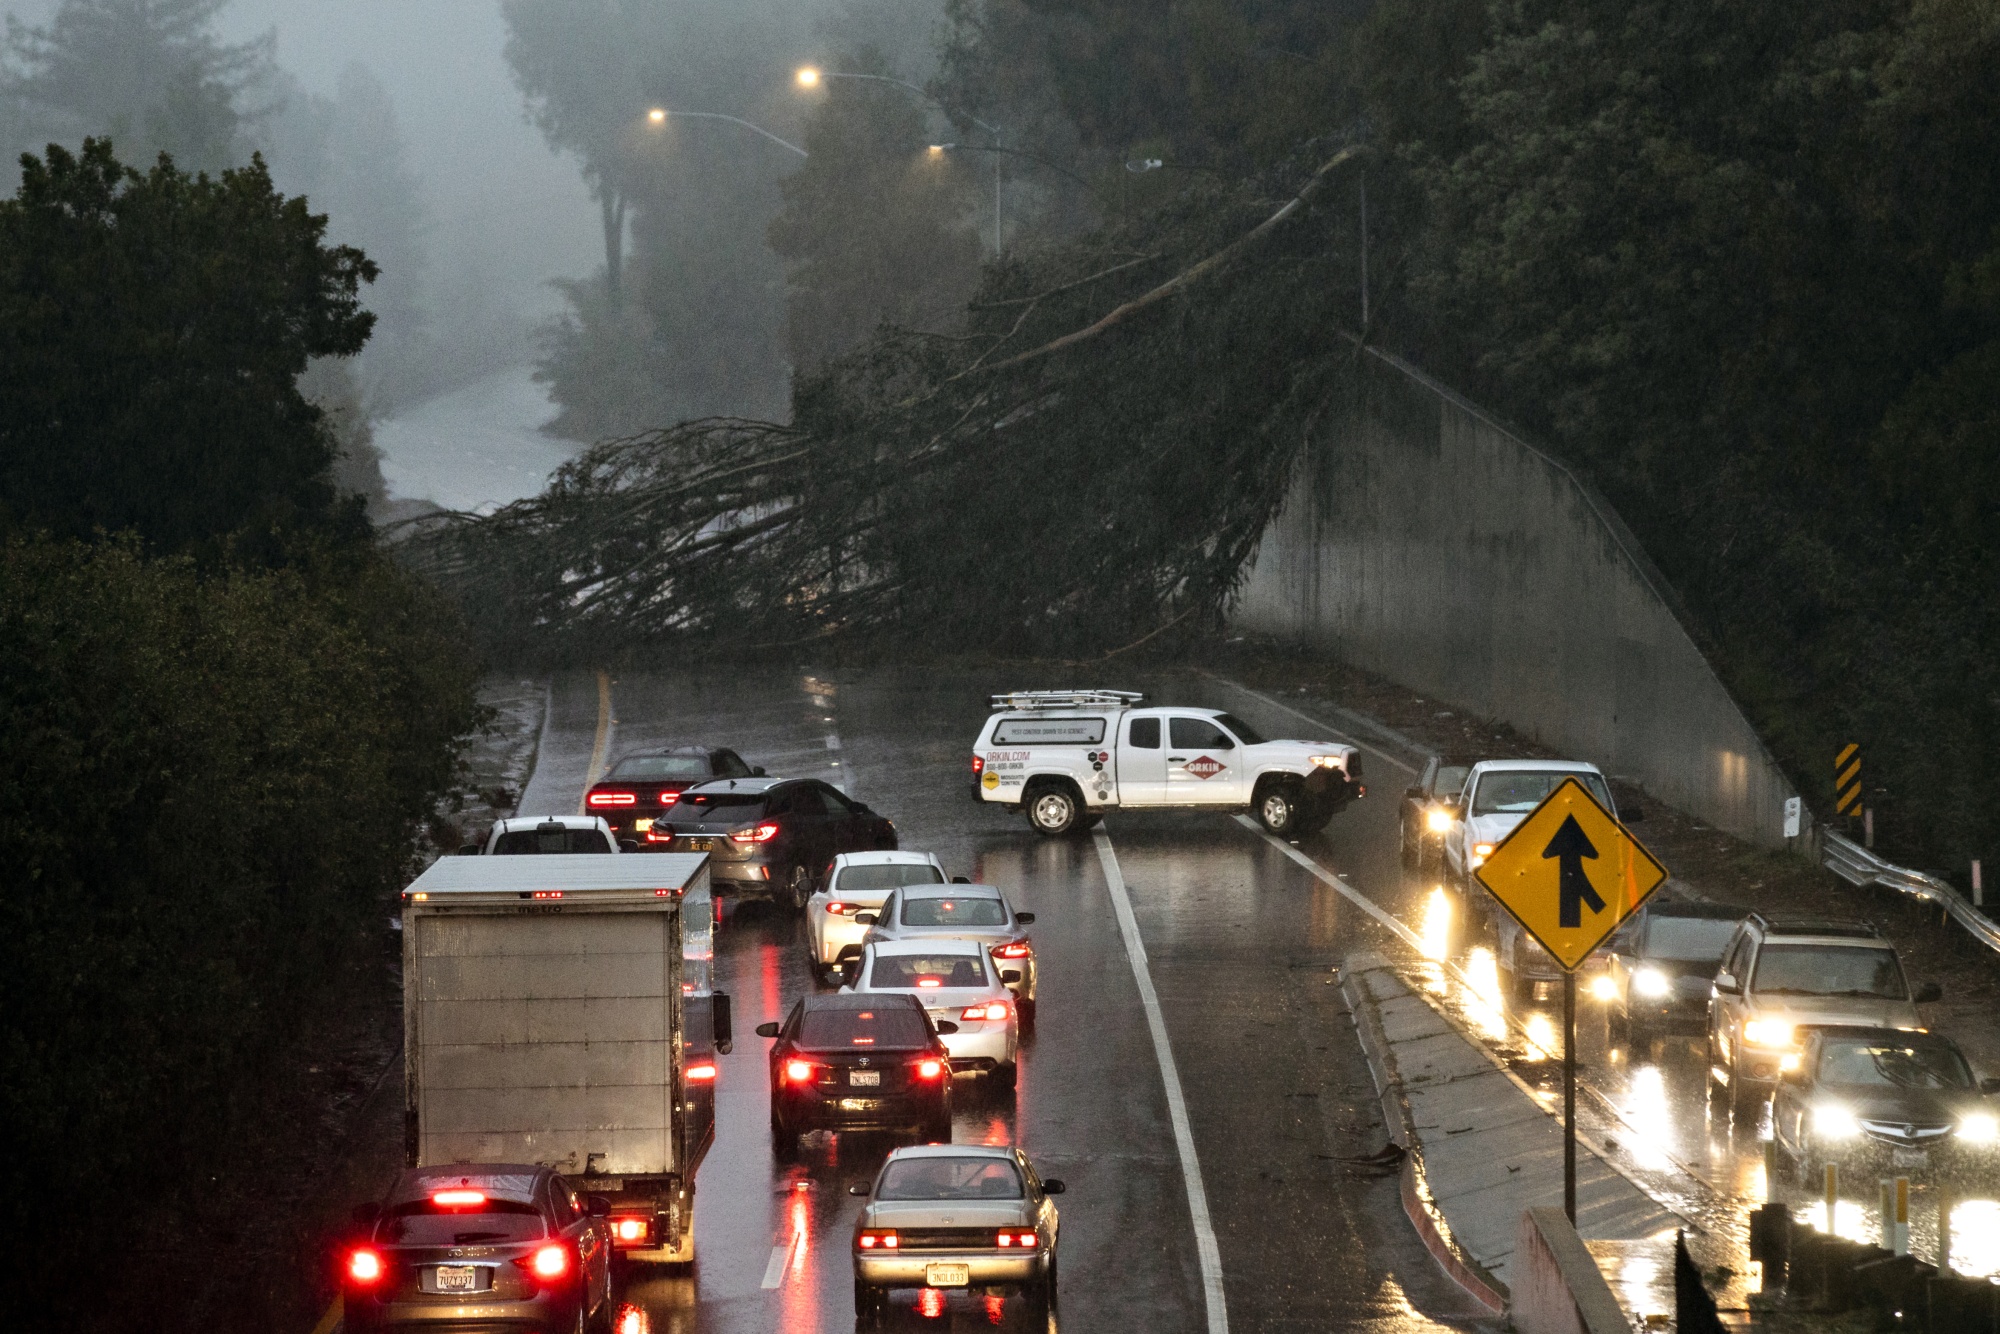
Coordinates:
x,y
1910,1158
457,1278
644,824
864,1079
700,844
947,1276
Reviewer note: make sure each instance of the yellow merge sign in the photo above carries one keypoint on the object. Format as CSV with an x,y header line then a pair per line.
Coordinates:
x,y
1570,873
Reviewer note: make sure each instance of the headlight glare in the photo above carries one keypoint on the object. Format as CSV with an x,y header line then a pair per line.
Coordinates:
x,y
1652,983
1767,1033
1832,1121
1328,761
1438,821
1979,1128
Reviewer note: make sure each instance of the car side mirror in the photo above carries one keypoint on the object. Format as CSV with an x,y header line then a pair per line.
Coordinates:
x,y
628,845
946,1028
866,918
1631,814
858,1188
1414,793
468,850
961,880
1053,1186
723,1012
1025,918
1928,992
757,771
597,1205
1725,985
1010,975
1989,1085
767,1030
365,1213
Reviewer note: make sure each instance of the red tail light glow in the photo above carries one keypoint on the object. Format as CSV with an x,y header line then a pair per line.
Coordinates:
x,y
873,1240
1014,949
548,893
669,798
991,1010
1026,1240
929,1069
762,833
614,799
364,1266
703,1073
550,1262
630,1231
458,1199
930,981
800,1072
836,908
978,765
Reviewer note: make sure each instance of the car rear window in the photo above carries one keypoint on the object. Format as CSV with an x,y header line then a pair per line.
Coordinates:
x,y
861,879
424,1224
1048,732
723,805
554,840
1829,970
662,766
927,972
950,1179
1516,792
1689,939
1890,1065
954,912
833,1030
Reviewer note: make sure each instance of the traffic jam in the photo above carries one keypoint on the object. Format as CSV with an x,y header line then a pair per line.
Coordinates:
x,y
880,1061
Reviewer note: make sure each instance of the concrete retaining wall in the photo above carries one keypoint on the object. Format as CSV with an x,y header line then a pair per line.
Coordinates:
x,y
1556,1287
1426,543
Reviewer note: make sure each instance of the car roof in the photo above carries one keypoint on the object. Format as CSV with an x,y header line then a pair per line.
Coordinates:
x,y
886,859
854,1000
1827,928
740,784
951,892
515,823
1717,912
1540,767
509,1181
932,946
1002,1151
652,751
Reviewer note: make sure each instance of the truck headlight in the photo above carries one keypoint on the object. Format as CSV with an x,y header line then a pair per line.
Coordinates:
x,y
1438,820
1652,983
1767,1033
1979,1128
1832,1121
1329,761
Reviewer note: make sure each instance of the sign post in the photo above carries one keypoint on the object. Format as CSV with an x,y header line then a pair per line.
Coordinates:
x,y
1570,874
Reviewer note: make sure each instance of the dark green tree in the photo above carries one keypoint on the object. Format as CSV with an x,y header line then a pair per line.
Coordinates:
x,y
152,332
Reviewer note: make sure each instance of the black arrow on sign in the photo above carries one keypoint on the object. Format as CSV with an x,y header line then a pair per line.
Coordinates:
x,y
1572,845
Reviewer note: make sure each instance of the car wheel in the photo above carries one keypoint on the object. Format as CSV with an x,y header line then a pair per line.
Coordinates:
x,y
784,1140
1026,1008
868,1302
1054,811
1279,807
1412,852
1006,1076
606,1314
798,888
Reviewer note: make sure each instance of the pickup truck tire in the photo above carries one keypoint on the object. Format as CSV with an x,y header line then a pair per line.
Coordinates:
x,y
1280,805
1054,808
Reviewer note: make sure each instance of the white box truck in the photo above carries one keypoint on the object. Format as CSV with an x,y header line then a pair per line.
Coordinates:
x,y
558,1009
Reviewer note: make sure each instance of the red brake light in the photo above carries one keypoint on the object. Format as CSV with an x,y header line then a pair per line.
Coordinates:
x,y
799,1072
762,833
705,1072
614,798
836,908
629,1231
872,1239
991,1010
929,1069
930,981
364,1266
669,798
1014,949
978,764
548,893
458,1199
550,1262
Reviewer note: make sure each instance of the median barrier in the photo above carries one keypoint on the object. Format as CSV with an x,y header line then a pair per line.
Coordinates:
x,y
1556,1286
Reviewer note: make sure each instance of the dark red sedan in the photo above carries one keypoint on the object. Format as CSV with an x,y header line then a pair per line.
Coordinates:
x,y
644,786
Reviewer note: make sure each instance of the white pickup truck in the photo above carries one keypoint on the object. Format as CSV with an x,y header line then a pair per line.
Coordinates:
x,y
1066,756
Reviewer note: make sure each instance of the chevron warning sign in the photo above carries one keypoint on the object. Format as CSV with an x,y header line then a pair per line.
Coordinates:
x,y
1847,779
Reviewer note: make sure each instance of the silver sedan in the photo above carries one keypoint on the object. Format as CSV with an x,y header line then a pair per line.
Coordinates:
x,y
944,1216
962,912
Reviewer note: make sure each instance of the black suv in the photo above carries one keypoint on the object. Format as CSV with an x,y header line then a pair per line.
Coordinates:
x,y
769,837
868,1062
1869,1098
1425,814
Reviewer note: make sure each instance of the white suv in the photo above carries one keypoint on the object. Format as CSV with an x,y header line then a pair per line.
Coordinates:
x,y
1498,795
1064,757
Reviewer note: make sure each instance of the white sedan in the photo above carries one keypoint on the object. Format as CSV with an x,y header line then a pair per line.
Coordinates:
x,y
964,912
857,882
955,981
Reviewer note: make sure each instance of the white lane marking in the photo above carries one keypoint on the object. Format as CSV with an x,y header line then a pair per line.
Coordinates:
x,y
1353,895
832,741
601,743
774,1272
1376,751
1206,1250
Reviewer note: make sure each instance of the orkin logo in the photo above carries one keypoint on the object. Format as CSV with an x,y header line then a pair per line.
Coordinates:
x,y
1204,767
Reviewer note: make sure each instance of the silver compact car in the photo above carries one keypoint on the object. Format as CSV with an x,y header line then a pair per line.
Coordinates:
x,y
956,982
963,912
856,883
956,1216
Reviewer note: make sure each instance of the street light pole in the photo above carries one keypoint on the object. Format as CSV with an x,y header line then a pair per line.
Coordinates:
x,y
660,115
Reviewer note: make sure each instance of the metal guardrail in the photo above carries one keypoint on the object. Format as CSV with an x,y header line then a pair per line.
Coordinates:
x,y
1858,866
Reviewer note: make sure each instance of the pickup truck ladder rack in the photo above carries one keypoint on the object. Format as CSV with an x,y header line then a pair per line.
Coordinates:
x,y
1068,699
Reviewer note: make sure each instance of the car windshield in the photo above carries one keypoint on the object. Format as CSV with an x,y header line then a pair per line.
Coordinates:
x,y
1929,1066
662,766
1509,792
1829,970
1243,731
834,1030
422,1223
862,879
927,972
1689,939
1450,780
551,840
722,805
950,1179
954,912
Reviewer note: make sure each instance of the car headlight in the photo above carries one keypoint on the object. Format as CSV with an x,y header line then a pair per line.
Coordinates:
x,y
1329,761
1438,820
1832,1121
1979,1128
1480,852
1767,1033
1652,983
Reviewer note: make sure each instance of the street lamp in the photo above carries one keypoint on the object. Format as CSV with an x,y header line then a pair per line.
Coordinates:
x,y
658,116
810,76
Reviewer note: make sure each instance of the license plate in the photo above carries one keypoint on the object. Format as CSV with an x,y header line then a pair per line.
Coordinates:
x,y
947,1276
644,824
700,844
1910,1158
864,1079
457,1278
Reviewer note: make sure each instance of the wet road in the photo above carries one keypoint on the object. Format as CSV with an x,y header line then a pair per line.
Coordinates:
x,y
1240,937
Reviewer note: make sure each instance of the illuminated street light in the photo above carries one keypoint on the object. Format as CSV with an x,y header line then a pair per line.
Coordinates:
x,y
808,77
658,115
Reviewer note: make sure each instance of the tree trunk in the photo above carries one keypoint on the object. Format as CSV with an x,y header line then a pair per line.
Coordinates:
x,y
612,204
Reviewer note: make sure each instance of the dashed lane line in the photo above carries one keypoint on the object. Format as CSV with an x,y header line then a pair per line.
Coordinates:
x,y
601,743
331,1320
781,1254
1206,1250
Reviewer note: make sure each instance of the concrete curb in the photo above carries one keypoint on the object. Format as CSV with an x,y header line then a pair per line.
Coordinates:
x,y
1424,1216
